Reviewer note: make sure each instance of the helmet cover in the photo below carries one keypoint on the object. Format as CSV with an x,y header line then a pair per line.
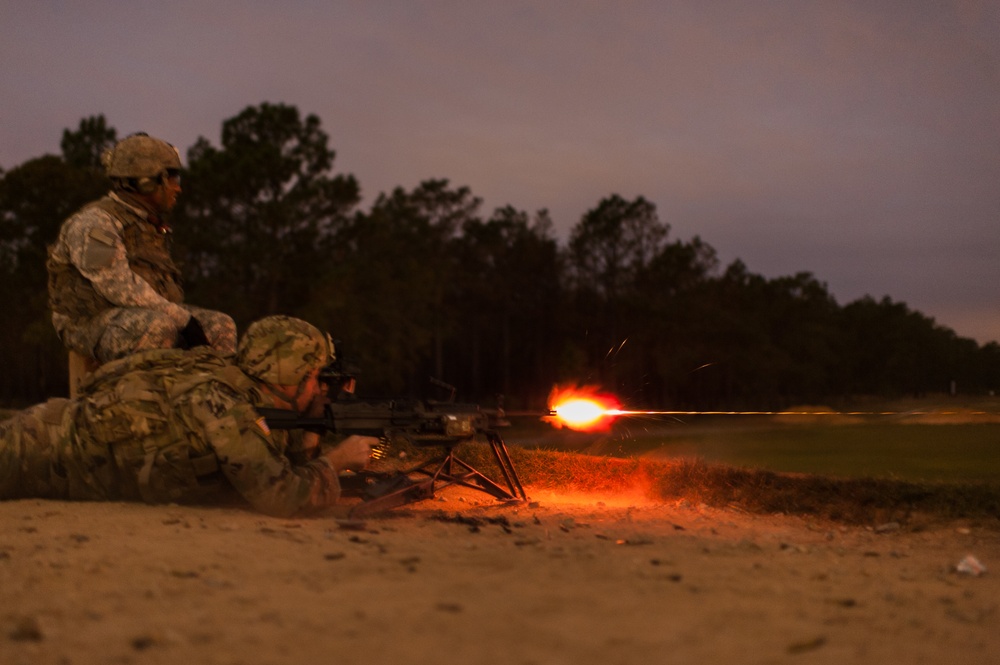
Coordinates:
x,y
140,156
281,350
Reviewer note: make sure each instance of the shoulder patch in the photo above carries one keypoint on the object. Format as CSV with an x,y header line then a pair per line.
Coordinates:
x,y
102,236
262,426
99,250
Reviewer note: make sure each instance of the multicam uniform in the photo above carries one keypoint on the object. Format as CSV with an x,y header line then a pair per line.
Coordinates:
x,y
161,426
114,289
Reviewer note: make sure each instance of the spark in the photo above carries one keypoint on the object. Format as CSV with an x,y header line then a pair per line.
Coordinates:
x,y
615,351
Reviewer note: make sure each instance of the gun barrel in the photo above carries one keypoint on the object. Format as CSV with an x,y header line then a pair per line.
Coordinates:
x,y
430,422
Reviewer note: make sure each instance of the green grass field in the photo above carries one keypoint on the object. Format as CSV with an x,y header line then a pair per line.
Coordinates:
x,y
939,460
913,452
931,446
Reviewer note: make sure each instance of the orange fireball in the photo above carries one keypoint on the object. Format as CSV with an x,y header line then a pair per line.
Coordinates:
x,y
582,408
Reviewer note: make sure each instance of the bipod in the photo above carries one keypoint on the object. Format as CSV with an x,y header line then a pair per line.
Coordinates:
x,y
444,471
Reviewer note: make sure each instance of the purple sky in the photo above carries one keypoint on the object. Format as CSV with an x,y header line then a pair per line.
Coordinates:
x,y
859,141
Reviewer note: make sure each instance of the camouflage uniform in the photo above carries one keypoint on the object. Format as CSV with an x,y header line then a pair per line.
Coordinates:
x,y
113,288
162,426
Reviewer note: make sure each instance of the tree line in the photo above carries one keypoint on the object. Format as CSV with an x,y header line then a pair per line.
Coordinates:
x,y
426,285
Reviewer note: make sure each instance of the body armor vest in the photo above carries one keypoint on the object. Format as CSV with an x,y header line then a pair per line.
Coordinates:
x,y
148,253
130,442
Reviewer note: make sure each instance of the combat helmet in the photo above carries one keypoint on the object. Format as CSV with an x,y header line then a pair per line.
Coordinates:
x,y
281,350
140,156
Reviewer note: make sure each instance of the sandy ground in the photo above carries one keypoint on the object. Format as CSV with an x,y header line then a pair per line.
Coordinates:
x,y
460,578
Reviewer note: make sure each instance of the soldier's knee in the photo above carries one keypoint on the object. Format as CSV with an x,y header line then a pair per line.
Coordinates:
x,y
136,330
220,329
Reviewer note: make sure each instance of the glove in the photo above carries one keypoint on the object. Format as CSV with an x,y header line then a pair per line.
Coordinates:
x,y
191,335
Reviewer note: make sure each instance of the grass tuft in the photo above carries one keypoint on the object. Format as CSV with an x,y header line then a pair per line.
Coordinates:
x,y
850,500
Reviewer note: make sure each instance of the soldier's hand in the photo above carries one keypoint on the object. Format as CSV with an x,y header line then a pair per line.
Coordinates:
x,y
353,453
191,335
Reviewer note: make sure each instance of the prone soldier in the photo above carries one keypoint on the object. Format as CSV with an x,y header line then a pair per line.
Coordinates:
x,y
168,425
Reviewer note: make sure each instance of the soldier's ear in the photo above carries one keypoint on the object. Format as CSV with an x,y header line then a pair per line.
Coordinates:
x,y
146,185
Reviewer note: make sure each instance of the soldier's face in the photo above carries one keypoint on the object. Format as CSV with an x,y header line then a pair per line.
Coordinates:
x,y
298,397
165,196
310,390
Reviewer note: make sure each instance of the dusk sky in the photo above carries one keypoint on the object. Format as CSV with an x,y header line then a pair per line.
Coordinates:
x,y
856,140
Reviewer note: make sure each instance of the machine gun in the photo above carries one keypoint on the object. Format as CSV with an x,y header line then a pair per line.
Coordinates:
x,y
424,423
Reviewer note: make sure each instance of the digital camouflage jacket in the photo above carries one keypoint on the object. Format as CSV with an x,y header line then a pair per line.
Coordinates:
x,y
111,254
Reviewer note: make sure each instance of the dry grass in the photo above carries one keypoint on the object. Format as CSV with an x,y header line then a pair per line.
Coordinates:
x,y
852,500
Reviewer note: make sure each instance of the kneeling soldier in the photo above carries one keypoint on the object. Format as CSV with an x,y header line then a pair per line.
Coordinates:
x,y
113,286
